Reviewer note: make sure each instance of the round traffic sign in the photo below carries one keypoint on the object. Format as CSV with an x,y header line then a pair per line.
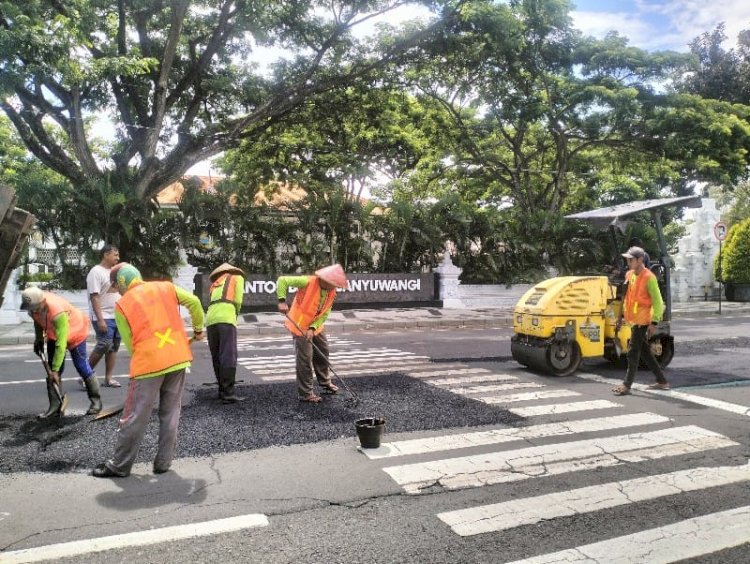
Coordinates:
x,y
720,230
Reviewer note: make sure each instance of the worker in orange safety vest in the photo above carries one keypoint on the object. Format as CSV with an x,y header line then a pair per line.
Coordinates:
x,y
64,327
149,321
305,321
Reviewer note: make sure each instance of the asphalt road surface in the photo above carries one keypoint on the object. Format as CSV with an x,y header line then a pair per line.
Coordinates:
x,y
482,460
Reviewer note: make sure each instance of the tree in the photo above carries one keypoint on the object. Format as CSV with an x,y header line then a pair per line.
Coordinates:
x,y
177,79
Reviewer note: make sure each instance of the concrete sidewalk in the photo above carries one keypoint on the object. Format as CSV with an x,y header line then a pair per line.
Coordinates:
x,y
271,323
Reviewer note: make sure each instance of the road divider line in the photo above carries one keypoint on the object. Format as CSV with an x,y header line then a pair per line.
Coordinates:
x,y
686,539
129,540
559,458
497,436
690,398
531,510
70,379
555,408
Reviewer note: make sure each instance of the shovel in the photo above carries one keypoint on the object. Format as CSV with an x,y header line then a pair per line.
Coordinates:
x,y
55,386
104,413
354,396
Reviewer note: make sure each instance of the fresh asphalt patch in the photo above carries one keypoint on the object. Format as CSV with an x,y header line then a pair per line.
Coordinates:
x,y
270,416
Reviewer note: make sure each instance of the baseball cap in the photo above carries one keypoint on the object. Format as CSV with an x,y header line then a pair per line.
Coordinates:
x,y
634,252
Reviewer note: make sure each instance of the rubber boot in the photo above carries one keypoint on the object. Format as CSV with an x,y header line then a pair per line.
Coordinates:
x,y
92,387
226,386
217,374
56,407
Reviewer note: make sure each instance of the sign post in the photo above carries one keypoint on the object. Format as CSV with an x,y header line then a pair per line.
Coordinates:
x,y
720,232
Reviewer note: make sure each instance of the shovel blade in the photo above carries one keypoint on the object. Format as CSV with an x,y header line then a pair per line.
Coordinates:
x,y
109,412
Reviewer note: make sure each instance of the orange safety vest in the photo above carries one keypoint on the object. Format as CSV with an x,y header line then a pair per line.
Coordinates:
x,y
159,340
637,306
78,322
307,307
228,291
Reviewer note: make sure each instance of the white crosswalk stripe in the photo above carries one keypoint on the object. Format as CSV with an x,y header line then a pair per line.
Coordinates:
x,y
528,396
471,379
530,510
522,464
473,390
686,539
497,436
556,408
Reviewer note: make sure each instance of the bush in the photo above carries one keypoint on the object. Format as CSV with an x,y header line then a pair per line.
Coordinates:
x,y
736,254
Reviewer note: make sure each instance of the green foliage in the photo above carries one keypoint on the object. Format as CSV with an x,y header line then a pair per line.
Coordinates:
x,y
735,265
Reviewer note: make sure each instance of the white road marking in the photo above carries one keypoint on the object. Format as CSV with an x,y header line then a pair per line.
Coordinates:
x,y
686,539
549,460
527,511
402,364
556,408
140,538
280,360
494,388
528,396
472,379
497,436
68,379
451,372
682,396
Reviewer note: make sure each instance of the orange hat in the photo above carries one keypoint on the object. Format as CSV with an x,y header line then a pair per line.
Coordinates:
x,y
333,274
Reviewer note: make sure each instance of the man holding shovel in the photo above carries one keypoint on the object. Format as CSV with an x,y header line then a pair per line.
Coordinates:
x,y
65,327
305,319
149,321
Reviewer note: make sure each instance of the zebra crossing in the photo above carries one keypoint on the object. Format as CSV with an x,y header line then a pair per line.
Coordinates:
x,y
565,416
504,464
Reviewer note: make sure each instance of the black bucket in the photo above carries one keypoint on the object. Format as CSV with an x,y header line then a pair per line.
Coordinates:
x,y
369,431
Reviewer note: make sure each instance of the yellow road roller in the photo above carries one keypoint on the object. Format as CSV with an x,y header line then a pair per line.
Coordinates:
x,y
563,320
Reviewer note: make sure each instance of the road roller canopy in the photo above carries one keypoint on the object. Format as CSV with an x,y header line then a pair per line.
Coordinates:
x,y
614,215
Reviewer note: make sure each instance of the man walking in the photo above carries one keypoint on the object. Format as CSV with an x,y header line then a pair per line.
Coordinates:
x,y
102,299
225,301
305,321
148,317
64,327
642,308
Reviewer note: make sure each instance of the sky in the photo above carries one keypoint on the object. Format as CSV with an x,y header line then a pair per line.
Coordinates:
x,y
661,24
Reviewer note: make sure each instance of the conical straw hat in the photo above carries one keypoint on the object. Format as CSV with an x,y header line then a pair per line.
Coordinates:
x,y
226,267
333,274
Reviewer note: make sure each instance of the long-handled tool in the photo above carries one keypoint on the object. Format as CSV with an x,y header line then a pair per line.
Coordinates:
x,y
63,399
355,397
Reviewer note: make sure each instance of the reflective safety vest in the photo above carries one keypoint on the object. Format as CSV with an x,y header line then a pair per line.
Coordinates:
x,y
159,340
78,322
223,289
308,308
637,305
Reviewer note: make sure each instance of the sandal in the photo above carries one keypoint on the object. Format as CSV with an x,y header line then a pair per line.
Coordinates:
x,y
311,398
330,388
659,386
113,384
621,390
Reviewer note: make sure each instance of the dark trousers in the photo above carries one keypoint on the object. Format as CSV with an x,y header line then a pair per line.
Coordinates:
x,y
639,348
308,359
222,342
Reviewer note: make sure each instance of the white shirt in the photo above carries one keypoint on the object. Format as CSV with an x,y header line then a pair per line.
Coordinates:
x,y
97,282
